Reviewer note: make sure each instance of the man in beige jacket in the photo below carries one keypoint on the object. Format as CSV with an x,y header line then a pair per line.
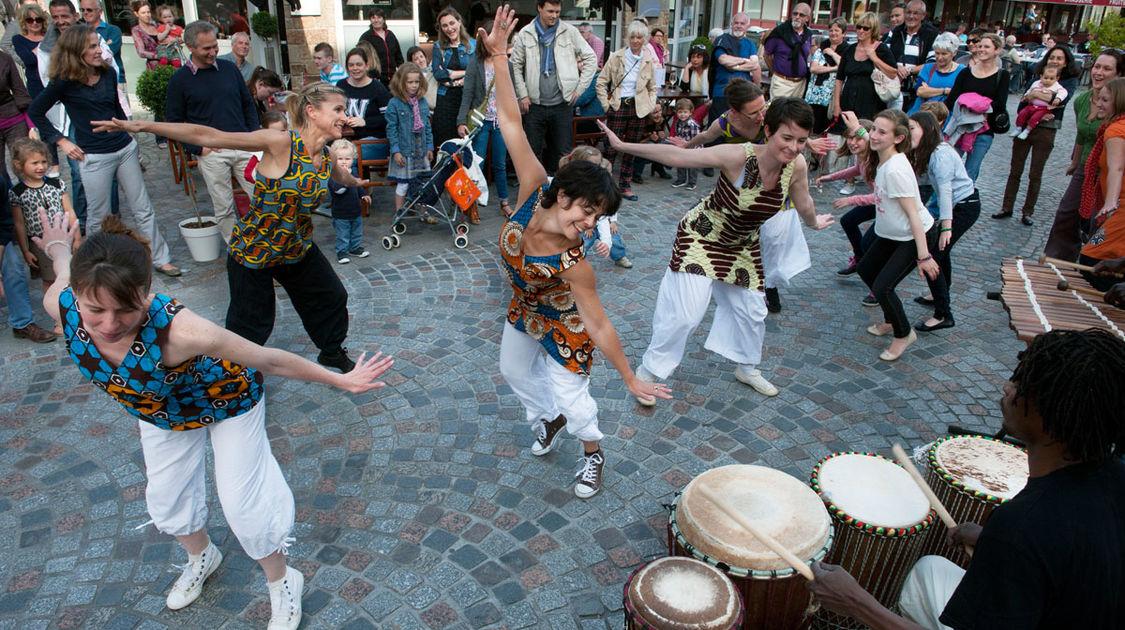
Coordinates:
x,y
548,80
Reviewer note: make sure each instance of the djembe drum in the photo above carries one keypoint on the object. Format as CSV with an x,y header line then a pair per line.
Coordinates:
x,y
782,507
971,475
880,519
681,594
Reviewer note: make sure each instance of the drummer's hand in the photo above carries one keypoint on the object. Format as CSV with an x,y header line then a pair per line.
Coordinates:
x,y
644,389
1110,267
1116,295
836,589
965,534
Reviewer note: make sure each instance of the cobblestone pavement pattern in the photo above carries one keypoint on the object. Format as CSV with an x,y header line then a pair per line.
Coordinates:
x,y
420,505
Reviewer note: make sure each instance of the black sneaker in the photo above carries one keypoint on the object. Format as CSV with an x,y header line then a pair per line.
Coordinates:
x,y
679,184
337,358
545,441
869,300
849,269
773,301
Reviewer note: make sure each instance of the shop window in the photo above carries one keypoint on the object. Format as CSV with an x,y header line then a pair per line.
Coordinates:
x,y
395,10
229,16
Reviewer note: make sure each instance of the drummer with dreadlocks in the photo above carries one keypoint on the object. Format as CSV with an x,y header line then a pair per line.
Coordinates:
x,y
1054,555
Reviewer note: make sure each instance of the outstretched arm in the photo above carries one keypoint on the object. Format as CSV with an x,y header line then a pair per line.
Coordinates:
x,y
710,157
529,171
267,140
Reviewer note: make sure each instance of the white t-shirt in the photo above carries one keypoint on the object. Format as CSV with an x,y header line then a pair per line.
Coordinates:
x,y
632,71
895,180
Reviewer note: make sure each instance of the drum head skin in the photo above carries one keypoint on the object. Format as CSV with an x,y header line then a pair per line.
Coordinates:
x,y
780,505
870,490
684,594
980,465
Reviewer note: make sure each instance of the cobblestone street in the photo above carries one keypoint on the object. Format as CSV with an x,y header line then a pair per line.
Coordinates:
x,y
420,505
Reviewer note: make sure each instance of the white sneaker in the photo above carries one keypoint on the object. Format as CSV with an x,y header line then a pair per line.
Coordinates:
x,y
647,377
590,477
753,378
190,583
1015,132
285,600
1024,134
343,260
847,189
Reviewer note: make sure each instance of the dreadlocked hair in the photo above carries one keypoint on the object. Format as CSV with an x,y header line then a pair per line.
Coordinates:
x,y
1074,379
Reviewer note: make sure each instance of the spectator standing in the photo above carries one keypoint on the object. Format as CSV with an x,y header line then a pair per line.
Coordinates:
x,y
627,91
324,58
596,44
92,15
854,87
14,102
733,56
409,131
86,85
549,80
347,208
986,78
209,91
386,45
910,44
145,32
896,17
451,56
239,54
685,128
657,41
823,66
786,50
33,26
13,275
480,96
1040,139
935,79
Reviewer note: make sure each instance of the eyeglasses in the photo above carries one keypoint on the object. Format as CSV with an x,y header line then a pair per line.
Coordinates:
x,y
89,10
861,27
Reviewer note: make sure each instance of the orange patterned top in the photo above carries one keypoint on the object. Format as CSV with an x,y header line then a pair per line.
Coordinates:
x,y
542,304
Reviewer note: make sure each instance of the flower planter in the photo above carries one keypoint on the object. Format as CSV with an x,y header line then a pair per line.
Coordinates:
x,y
205,243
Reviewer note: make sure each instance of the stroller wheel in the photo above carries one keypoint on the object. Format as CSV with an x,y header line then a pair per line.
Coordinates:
x,y
388,244
395,240
461,241
399,227
462,228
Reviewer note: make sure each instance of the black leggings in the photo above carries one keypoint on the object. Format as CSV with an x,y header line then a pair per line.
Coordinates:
x,y
965,214
883,266
318,296
851,221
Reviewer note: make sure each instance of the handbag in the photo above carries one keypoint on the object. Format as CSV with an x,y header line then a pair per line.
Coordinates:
x,y
475,118
887,88
1000,122
460,186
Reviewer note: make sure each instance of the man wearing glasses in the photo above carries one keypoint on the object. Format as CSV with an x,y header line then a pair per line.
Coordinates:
x,y
910,43
111,35
786,50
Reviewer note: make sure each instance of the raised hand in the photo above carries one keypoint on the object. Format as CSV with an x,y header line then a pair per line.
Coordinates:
x,y
496,41
55,230
610,137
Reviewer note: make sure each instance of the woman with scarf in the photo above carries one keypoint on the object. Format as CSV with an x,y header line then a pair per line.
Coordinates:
x,y
451,58
1102,185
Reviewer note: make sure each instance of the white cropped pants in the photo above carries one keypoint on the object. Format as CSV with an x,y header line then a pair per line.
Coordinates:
x,y
256,500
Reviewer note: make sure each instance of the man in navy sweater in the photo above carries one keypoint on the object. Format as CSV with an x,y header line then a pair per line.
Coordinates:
x,y
210,91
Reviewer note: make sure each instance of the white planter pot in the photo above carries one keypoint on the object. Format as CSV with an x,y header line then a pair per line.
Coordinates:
x,y
206,243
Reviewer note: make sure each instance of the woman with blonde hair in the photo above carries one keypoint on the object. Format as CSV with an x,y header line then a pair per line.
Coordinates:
x,y
626,88
273,241
1103,184
854,88
87,88
33,22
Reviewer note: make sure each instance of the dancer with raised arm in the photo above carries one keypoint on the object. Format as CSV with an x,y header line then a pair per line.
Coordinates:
x,y
555,319
186,380
717,251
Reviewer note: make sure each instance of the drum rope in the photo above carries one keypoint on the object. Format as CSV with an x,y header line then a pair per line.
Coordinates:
x,y
1031,295
1093,308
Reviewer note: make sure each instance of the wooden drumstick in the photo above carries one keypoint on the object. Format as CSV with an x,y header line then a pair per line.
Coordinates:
x,y
764,538
1044,259
935,503
1065,286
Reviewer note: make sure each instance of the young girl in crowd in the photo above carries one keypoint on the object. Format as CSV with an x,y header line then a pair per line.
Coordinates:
x,y
408,130
605,238
555,319
954,202
904,230
168,33
866,161
31,160
347,209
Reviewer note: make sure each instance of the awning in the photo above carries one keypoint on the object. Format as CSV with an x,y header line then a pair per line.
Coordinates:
x,y
1088,3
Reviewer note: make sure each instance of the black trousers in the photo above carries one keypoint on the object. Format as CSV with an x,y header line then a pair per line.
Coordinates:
x,y
550,132
315,290
965,214
883,266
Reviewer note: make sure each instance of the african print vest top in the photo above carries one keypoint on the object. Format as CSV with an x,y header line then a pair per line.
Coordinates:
x,y
733,136
719,237
278,228
198,392
542,304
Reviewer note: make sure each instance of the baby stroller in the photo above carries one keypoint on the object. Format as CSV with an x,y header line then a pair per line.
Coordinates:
x,y
427,196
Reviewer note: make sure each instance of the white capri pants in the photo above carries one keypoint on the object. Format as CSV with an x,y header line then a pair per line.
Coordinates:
x,y
98,171
928,588
546,388
737,330
256,500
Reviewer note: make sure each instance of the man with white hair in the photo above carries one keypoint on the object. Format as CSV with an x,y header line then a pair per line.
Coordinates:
x,y
734,56
239,53
595,42
910,43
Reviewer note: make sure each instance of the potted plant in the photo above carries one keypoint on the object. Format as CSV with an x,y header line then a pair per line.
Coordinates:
x,y
1109,33
201,233
264,25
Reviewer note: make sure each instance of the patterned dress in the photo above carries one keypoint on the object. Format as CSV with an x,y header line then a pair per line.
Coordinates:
x,y
719,238
731,135
542,305
278,228
199,392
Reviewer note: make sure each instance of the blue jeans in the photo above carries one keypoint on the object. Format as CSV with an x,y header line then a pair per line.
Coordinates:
x,y
15,287
491,132
349,235
616,248
980,149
